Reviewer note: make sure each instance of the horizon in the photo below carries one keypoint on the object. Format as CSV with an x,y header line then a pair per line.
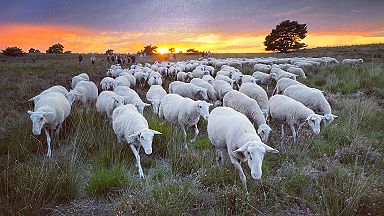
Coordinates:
x,y
216,26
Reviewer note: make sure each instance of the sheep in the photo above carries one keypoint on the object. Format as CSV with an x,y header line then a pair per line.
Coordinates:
x,y
262,78
353,62
155,78
199,73
108,101
231,131
49,113
57,88
154,95
257,93
106,83
298,71
262,67
183,111
188,90
283,109
221,88
85,91
78,78
311,98
212,95
227,73
284,83
249,107
226,79
208,78
184,77
277,73
248,79
130,78
131,97
129,124
120,81
140,78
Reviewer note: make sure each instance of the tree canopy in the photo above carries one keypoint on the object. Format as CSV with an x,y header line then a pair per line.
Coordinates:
x,y
33,50
192,51
286,36
171,50
13,51
149,49
55,49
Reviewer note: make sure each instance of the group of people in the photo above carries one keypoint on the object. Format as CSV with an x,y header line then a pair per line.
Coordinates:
x,y
206,54
122,58
93,59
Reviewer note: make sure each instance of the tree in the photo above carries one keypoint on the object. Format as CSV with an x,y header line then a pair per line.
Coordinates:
x,y
149,49
55,49
13,51
171,50
32,50
192,51
109,52
286,37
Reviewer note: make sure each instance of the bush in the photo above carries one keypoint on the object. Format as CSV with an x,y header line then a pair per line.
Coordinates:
x,y
13,51
105,179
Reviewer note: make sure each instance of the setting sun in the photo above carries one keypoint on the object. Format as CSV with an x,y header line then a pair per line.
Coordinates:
x,y
162,50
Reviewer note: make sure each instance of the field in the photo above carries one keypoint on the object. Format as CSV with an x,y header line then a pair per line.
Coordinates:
x,y
339,172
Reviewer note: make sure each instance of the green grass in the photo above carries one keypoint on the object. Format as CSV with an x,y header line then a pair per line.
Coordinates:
x,y
338,172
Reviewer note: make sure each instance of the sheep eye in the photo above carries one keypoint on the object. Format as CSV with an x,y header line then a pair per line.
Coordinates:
x,y
41,119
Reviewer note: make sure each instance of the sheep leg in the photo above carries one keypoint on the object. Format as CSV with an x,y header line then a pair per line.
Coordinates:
x,y
184,137
282,134
219,156
237,165
196,133
293,132
137,156
47,134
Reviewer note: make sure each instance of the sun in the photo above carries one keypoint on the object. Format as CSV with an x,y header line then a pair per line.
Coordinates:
x,y
162,50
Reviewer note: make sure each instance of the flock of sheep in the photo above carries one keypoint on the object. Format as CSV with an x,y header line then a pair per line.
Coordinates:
x,y
237,124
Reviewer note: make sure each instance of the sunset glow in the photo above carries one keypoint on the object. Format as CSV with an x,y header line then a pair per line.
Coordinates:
x,y
162,50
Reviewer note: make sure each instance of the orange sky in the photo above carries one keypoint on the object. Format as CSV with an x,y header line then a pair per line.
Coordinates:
x,y
80,39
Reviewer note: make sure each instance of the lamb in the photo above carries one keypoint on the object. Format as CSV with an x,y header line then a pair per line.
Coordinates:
x,y
353,62
131,97
257,93
277,73
155,78
184,77
249,107
108,101
154,95
262,78
183,111
188,90
284,83
49,113
286,110
311,98
120,81
221,88
208,78
298,71
85,91
106,83
78,78
212,95
240,140
129,124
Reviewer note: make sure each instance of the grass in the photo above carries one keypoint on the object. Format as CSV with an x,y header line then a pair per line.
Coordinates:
x,y
338,172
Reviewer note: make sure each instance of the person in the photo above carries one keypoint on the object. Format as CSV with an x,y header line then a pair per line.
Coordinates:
x,y
109,58
116,59
145,55
80,59
133,58
141,56
93,59
33,60
203,54
209,54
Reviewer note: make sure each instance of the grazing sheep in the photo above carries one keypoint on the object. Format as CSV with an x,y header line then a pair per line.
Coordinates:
x,y
120,81
212,95
286,110
311,98
184,77
248,79
140,78
155,78
154,95
226,79
284,83
57,88
231,131
49,113
130,78
106,83
277,73
262,67
78,78
298,71
221,88
85,91
249,107
108,101
131,97
262,78
130,125
199,73
183,111
188,90
257,93
208,78
353,62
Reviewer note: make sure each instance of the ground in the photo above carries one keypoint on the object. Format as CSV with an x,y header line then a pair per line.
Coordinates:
x,y
338,172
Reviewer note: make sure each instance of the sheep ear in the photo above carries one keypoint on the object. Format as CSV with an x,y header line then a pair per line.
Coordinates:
x,y
30,112
270,149
334,116
32,99
242,148
155,132
145,104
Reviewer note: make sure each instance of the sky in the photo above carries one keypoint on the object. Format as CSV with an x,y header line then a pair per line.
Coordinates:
x,y
237,26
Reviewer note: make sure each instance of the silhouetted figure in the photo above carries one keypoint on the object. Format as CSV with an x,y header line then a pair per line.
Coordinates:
x,y
80,59
93,59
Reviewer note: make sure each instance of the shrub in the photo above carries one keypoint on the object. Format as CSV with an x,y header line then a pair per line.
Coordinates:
x,y
105,179
13,51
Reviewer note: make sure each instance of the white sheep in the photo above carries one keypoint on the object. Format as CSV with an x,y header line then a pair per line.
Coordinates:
x,y
208,78
155,78
199,73
84,91
248,79
353,62
284,83
57,88
131,97
108,101
130,78
106,83
226,79
49,113
285,110
277,73
154,95
184,77
188,90
120,81
183,111
249,107
262,67
232,132
311,98
140,78
130,125
78,78
221,87
257,93
212,95
262,78
298,71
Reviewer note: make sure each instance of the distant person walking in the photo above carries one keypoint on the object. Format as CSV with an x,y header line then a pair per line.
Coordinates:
x,y
80,59
133,59
93,59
